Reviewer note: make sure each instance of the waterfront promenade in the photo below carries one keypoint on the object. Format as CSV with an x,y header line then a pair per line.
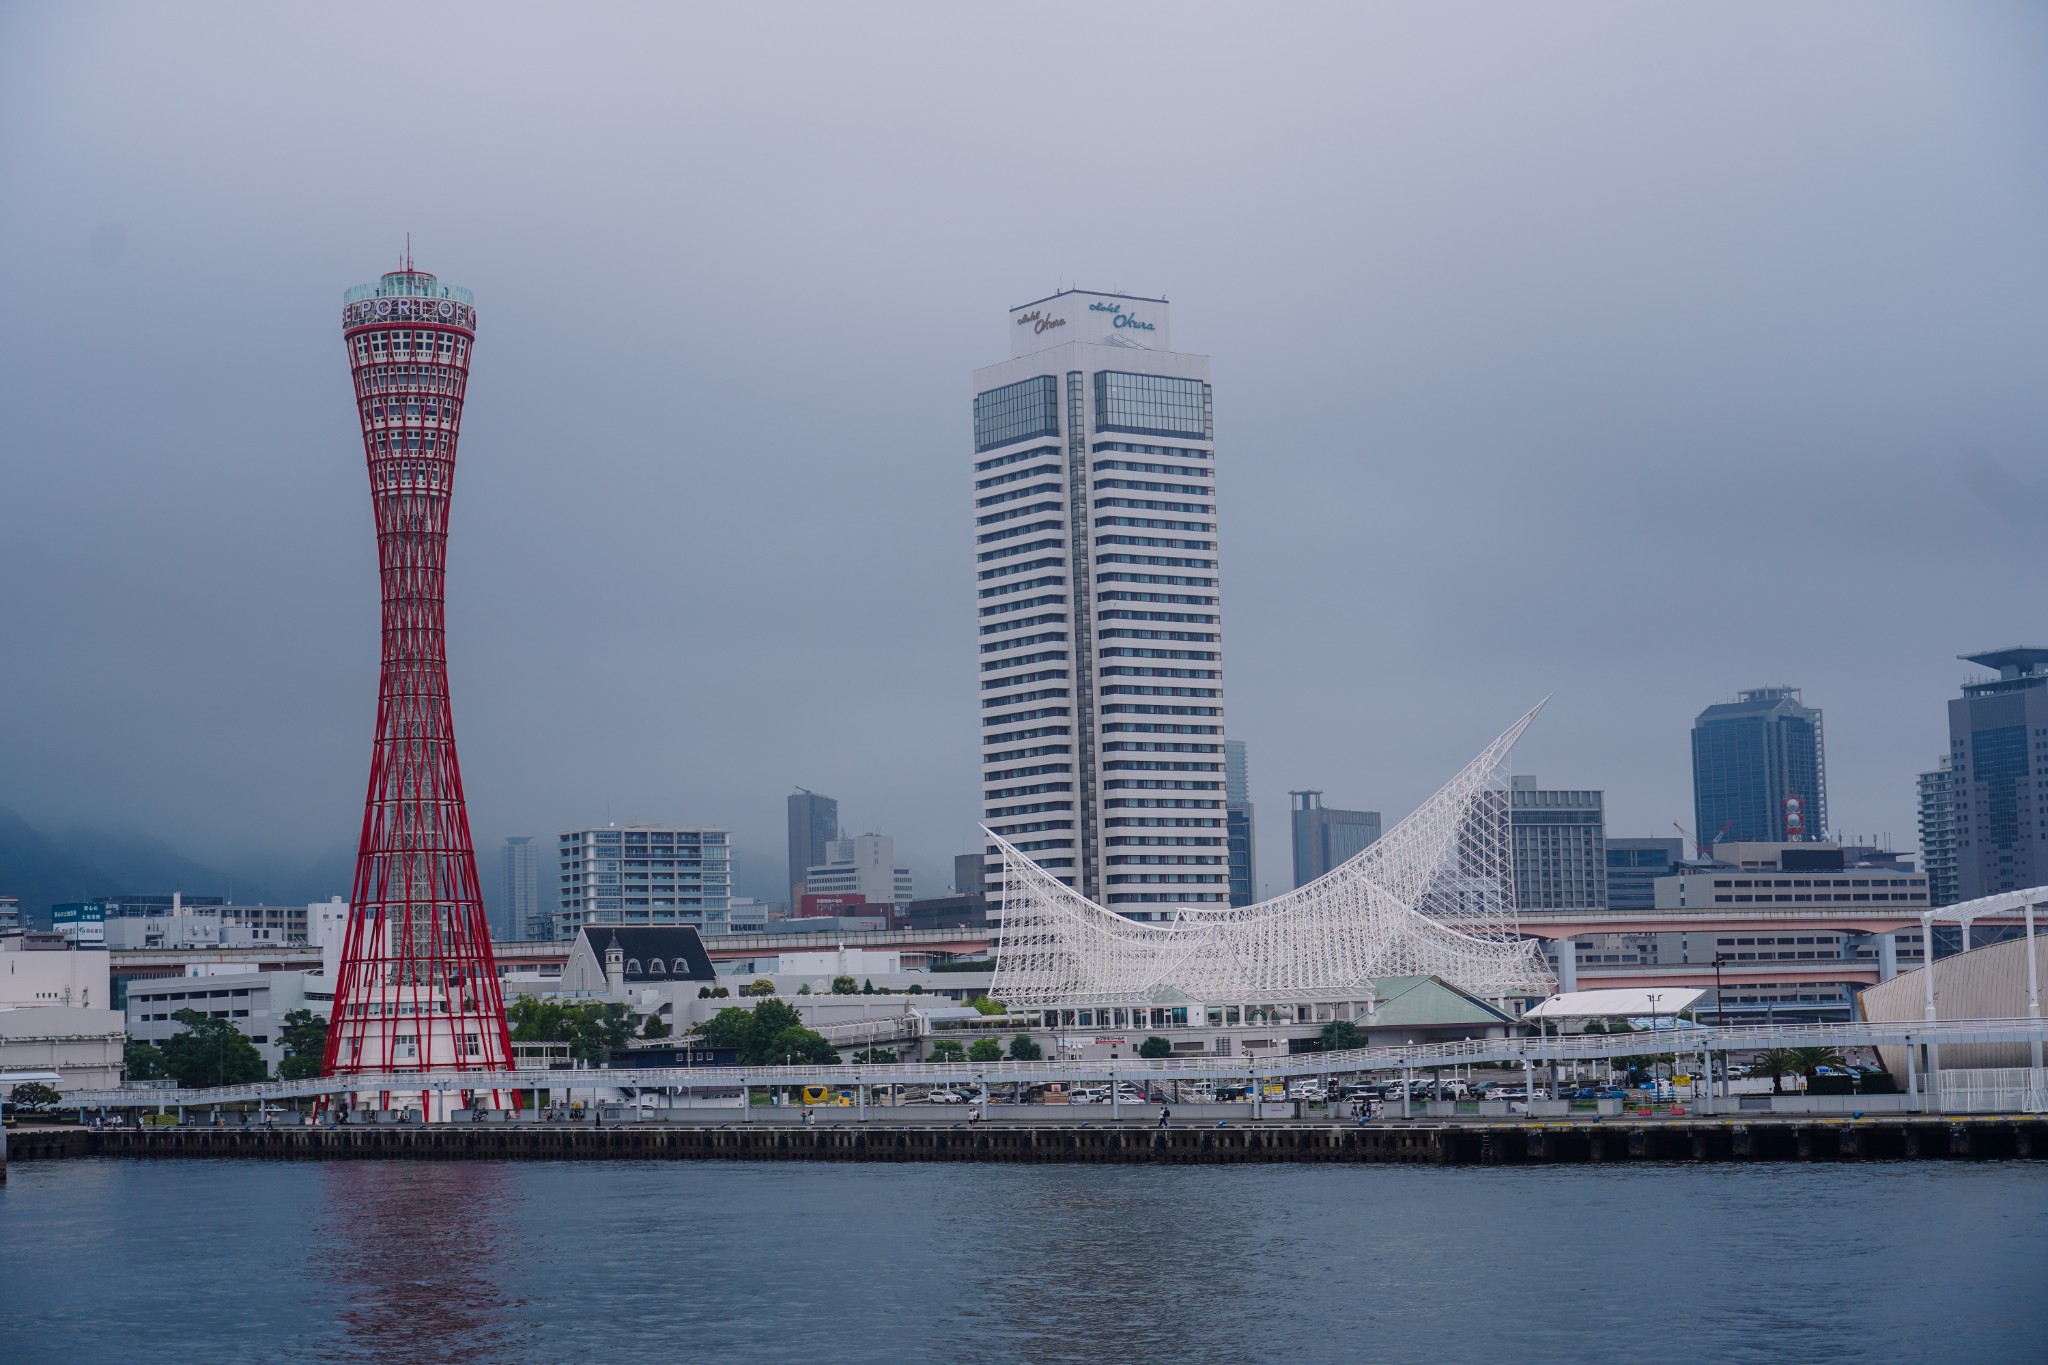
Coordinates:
x,y
1711,1046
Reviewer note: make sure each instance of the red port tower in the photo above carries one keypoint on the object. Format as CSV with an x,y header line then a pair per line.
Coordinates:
x,y
418,987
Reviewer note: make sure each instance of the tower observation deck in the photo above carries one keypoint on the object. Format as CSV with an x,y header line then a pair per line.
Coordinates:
x,y
418,988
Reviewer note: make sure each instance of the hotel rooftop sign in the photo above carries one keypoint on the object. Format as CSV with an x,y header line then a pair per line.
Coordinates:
x,y
1081,315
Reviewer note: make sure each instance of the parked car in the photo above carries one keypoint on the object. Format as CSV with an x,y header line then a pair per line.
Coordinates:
x,y
1099,1094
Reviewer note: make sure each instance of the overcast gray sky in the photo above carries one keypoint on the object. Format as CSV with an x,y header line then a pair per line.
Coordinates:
x,y
1631,353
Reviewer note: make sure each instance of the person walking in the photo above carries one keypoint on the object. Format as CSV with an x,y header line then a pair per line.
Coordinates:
x,y
1164,1115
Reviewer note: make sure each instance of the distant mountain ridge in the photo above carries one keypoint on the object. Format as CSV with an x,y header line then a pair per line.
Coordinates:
x,y
80,864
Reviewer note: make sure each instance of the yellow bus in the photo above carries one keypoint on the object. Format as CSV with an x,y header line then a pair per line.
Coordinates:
x,y
814,1095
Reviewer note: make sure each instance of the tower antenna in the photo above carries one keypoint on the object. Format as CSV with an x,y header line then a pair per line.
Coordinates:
x,y
408,253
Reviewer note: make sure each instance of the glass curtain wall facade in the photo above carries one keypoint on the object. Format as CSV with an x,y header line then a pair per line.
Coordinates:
x,y
1750,758
1241,824
1998,747
522,916
1100,681
813,823
1633,867
1327,837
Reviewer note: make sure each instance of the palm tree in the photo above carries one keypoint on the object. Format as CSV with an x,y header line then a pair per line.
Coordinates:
x,y
1775,1062
1807,1061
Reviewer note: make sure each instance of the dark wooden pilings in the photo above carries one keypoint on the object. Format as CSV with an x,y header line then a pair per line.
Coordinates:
x,y
1455,1145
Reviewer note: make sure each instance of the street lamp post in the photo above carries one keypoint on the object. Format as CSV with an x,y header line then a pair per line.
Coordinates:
x,y
1655,996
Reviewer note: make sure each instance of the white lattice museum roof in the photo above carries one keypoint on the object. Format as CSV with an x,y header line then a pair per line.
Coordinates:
x,y
1434,896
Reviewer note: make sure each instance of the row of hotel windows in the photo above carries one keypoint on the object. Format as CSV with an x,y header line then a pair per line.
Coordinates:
x,y
1765,882
1795,900
1147,404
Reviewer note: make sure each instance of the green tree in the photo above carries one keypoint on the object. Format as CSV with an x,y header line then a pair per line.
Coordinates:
x,y
1155,1046
534,1020
143,1062
769,1034
591,1028
985,1050
1342,1035
33,1096
304,1037
703,992
845,985
1774,1062
760,985
801,1045
1022,1049
730,1027
915,989
867,987
875,1054
211,1052
595,1029
804,989
772,1017
655,1027
989,1005
948,1050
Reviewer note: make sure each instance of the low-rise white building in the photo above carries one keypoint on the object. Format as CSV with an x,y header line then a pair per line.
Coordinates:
x,y
864,865
255,1002
46,970
83,1046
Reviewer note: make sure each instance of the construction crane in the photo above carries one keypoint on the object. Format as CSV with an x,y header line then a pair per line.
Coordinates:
x,y
1700,850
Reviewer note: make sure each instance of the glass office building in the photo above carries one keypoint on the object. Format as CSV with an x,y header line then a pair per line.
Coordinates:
x,y
1241,823
1998,736
813,824
1633,867
1759,770
1327,837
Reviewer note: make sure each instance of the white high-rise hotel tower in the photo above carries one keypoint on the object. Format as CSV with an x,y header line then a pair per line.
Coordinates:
x,y
1101,679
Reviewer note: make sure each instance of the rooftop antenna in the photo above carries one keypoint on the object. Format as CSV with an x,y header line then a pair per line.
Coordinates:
x,y
408,253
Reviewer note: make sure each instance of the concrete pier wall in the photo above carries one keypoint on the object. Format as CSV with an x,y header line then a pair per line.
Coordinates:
x,y
1410,1144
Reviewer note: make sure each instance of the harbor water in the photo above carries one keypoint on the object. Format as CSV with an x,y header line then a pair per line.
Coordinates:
x,y
204,1260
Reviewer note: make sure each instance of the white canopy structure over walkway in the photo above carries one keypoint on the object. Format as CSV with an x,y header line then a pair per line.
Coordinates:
x,y
1433,896
1627,1002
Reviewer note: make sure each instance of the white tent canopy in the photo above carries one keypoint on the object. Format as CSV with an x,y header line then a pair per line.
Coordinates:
x,y
1607,1004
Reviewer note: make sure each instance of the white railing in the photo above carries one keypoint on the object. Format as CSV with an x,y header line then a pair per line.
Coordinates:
x,y
894,1029
1995,1090
1534,1051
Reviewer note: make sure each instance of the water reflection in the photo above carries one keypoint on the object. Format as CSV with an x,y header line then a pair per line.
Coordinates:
x,y
415,1260
1137,1266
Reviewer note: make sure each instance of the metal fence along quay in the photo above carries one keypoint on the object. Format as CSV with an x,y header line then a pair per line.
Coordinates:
x,y
1700,1041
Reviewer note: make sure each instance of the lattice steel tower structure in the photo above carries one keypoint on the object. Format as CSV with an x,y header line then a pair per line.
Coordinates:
x,y
418,987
